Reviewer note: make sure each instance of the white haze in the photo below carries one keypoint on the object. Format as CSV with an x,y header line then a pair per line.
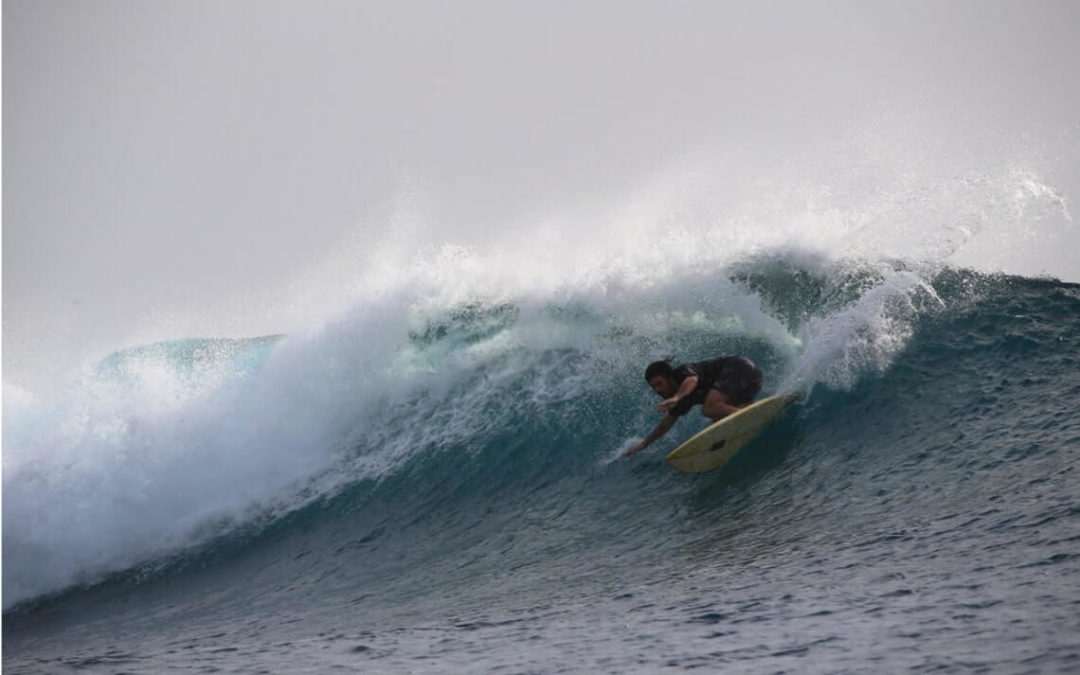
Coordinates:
x,y
177,168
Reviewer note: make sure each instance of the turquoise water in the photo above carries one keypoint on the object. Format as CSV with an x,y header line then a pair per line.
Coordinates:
x,y
420,487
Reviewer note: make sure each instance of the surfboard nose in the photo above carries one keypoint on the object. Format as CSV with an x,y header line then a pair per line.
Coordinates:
x,y
712,447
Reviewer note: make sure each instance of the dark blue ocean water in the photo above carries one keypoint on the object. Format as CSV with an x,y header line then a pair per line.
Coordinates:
x,y
440,489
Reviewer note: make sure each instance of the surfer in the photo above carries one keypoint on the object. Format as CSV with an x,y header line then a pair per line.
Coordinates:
x,y
721,386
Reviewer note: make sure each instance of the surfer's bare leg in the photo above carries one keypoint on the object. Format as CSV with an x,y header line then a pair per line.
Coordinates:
x,y
717,405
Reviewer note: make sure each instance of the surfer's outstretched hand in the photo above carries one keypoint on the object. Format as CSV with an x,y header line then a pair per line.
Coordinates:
x,y
636,449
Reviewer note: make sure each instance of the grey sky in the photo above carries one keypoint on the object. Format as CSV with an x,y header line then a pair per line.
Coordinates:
x,y
170,167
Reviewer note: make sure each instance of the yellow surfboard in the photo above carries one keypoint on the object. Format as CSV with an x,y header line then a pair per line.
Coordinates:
x,y
712,447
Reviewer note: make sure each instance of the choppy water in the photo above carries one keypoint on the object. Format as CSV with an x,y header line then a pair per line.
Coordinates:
x,y
424,487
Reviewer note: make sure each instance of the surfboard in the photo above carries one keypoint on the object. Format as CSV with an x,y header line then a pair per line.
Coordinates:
x,y
715,445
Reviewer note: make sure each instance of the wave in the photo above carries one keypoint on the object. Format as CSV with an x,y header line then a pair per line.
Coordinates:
x,y
160,454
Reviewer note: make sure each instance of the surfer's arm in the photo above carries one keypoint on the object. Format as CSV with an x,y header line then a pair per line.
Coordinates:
x,y
685,389
660,430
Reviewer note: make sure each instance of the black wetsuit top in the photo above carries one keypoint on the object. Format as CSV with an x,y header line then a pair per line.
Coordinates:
x,y
736,376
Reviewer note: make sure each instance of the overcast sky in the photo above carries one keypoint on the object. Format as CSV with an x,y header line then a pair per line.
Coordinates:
x,y
170,167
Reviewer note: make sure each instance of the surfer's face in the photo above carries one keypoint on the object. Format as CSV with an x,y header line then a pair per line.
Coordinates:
x,y
663,385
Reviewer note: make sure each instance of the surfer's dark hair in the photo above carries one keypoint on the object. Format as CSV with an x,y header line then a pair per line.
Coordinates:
x,y
659,368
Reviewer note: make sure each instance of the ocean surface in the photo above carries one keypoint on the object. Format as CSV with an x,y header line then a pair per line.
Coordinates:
x,y
431,486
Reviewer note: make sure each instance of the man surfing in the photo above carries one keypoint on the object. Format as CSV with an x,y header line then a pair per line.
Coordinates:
x,y
721,386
